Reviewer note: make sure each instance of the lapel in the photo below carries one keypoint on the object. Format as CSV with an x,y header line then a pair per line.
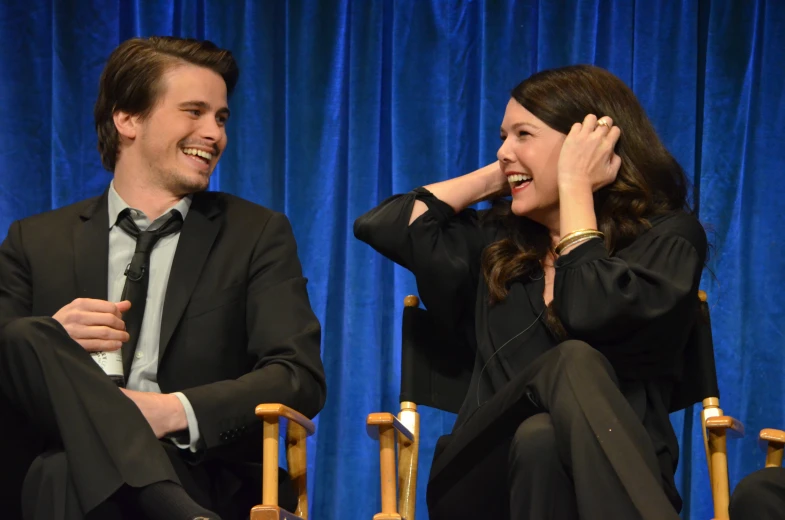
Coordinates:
x,y
196,239
91,250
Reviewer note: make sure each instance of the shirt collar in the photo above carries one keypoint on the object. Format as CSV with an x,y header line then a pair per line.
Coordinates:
x,y
117,204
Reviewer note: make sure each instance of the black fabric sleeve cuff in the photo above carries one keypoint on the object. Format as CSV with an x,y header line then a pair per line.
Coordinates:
x,y
440,210
584,253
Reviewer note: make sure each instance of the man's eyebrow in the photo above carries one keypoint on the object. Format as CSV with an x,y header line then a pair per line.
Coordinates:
x,y
205,106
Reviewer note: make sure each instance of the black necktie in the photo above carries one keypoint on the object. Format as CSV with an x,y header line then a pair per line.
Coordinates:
x,y
137,274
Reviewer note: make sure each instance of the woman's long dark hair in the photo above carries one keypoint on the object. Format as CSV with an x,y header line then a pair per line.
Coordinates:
x,y
650,181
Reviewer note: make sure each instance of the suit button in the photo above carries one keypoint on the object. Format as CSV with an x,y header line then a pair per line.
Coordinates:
x,y
222,436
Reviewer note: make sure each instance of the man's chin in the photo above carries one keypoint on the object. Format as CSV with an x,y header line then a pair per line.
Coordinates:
x,y
192,183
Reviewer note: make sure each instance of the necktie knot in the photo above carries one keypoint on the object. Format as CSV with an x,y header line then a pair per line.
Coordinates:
x,y
145,240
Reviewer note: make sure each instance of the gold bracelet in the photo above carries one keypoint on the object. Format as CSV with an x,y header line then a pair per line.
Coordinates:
x,y
577,242
573,241
578,232
576,236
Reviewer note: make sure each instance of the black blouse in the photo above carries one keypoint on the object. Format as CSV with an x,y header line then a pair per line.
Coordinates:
x,y
637,307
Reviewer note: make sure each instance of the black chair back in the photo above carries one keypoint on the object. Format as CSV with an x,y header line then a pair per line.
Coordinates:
x,y
436,365
699,379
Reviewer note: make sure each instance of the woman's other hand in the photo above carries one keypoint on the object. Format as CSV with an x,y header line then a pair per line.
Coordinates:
x,y
587,158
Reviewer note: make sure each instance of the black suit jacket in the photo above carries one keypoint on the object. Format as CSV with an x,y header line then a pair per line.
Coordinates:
x,y
237,327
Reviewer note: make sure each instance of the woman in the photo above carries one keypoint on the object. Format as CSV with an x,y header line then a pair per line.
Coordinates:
x,y
578,297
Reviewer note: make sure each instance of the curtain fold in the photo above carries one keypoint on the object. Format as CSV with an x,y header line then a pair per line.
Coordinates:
x,y
342,103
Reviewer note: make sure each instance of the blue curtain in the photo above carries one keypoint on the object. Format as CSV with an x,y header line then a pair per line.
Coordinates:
x,y
342,103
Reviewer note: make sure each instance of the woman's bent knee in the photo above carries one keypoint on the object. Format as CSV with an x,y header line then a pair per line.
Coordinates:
x,y
759,491
534,439
582,356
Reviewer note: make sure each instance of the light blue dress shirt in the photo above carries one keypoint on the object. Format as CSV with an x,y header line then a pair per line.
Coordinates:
x,y
144,369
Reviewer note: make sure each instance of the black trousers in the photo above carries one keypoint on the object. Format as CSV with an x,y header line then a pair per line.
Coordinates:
x,y
559,442
75,442
759,496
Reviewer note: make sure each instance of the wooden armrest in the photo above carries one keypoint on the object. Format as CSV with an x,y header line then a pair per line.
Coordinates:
x,y
732,427
771,436
279,410
272,513
385,419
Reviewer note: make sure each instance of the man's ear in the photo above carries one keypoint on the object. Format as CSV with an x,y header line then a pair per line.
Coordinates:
x,y
127,125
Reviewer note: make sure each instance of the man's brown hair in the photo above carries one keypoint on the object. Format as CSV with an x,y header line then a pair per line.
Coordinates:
x,y
131,81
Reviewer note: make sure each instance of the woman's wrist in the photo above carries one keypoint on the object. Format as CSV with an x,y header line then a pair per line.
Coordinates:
x,y
576,207
470,188
572,185
494,182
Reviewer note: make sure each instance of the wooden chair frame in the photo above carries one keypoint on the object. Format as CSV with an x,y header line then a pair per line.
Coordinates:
x,y
299,428
717,428
403,432
772,443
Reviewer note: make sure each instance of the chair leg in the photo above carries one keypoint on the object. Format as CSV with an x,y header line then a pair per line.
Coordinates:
x,y
408,457
774,454
387,462
719,473
270,462
297,461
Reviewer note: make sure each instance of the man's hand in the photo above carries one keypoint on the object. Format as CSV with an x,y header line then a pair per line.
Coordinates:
x,y
164,412
97,325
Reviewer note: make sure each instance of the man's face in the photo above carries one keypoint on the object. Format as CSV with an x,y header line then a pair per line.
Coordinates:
x,y
180,141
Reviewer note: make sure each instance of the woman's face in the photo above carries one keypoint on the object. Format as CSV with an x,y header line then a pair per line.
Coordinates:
x,y
528,156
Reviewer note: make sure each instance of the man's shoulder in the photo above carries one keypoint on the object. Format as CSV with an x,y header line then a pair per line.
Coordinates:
x,y
63,215
234,206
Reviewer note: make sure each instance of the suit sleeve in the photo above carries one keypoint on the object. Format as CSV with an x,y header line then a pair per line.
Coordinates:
x,y
15,285
284,338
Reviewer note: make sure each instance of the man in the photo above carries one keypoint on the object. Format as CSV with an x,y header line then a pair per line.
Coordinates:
x,y
213,321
